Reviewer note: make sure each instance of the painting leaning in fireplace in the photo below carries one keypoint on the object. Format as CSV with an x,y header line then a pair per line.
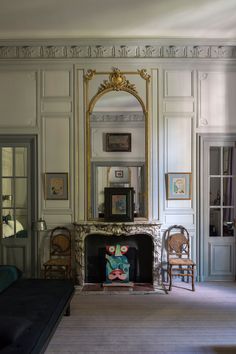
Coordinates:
x,y
117,265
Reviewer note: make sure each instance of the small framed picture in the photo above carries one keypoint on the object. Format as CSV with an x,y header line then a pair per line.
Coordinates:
x,y
56,186
119,173
119,204
118,142
179,186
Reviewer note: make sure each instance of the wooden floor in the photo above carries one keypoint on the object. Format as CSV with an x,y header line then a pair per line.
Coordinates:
x,y
183,321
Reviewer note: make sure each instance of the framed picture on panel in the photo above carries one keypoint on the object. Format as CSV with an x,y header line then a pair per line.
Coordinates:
x,y
179,186
56,186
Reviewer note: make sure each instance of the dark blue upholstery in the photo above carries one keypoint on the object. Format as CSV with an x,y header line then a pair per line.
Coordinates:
x,y
8,274
32,309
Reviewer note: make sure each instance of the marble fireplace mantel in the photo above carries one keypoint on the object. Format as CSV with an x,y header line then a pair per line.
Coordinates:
x,y
83,229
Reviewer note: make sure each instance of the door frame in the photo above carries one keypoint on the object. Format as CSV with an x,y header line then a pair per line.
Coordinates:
x,y
203,138
29,140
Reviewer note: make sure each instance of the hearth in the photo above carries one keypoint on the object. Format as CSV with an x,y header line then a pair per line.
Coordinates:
x,y
143,239
139,255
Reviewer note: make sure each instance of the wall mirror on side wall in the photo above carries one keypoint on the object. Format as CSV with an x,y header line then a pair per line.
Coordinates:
x,y
117,137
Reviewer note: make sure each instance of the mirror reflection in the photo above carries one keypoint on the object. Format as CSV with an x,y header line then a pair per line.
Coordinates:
x,y
118,176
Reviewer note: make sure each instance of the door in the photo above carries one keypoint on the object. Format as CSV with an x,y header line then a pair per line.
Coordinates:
x,y
218,196
17,243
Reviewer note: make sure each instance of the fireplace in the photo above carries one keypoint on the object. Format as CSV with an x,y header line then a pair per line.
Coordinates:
x,y
143,239
139,255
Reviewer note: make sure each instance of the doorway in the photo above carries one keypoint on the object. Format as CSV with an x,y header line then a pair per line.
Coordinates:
x,y
18,245
218,207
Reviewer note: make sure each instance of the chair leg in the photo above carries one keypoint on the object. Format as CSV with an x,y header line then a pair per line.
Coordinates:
x,y
170,276
188,272
193,284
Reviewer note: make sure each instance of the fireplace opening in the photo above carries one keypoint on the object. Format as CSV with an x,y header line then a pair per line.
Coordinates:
x,y
139,255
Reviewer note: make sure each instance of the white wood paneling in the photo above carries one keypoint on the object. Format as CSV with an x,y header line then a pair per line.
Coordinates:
x,y
180,219
178,144
80,160
58,219
178,204
18,99
56,83
57,144
178,106
60,107
217,104
56,152
178,83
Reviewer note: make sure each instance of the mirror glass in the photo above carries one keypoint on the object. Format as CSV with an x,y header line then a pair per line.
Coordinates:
x,y
117,149
117,101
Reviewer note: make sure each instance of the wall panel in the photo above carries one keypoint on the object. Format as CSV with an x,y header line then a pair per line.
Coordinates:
x,y
56,83
56,144
18,99
217,104
178,144
178,83
187,219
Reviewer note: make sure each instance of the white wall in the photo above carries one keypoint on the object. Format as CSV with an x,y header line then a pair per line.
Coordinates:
x,y
187,97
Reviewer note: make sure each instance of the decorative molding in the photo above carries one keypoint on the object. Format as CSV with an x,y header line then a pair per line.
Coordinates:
x,y
116,51
203,122
84,229
117,117
117,81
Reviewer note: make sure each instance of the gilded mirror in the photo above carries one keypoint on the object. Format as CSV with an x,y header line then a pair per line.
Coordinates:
x,y
117,138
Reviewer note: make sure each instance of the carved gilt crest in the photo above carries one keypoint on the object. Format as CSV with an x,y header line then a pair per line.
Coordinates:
x,y
117,81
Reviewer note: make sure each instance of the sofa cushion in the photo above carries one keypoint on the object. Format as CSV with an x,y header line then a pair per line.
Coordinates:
x,y
11,328
8,274
40,301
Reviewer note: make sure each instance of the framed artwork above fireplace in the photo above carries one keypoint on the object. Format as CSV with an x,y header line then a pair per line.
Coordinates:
x,y
119,204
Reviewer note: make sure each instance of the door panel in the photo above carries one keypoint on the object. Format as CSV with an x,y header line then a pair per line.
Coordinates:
x,y
218,205
221,259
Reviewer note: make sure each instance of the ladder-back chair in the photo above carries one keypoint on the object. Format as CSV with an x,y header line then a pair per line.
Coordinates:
x,y
178,255
59,263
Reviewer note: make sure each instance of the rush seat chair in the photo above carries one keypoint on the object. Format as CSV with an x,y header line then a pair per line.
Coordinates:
x,y
179,262
59,263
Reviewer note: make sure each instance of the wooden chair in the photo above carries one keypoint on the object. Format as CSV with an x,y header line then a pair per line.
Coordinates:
x,y
59,264
178,255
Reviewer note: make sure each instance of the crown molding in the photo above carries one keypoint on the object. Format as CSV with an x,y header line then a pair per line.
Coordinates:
x,y
92,48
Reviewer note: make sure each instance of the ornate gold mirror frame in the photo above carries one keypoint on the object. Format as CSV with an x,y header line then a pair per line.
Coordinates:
x,y
116,82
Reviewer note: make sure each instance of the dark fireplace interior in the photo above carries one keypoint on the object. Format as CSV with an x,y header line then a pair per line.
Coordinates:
x,y
140,256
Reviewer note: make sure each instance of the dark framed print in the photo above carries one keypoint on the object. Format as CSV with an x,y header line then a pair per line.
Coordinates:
x,y
119,173
179,186
56,186
119,204
118,142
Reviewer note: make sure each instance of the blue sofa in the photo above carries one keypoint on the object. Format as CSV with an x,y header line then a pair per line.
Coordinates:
x,y
30,310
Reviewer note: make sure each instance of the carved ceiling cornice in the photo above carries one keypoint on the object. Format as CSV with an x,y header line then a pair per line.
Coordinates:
x,y
58,51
